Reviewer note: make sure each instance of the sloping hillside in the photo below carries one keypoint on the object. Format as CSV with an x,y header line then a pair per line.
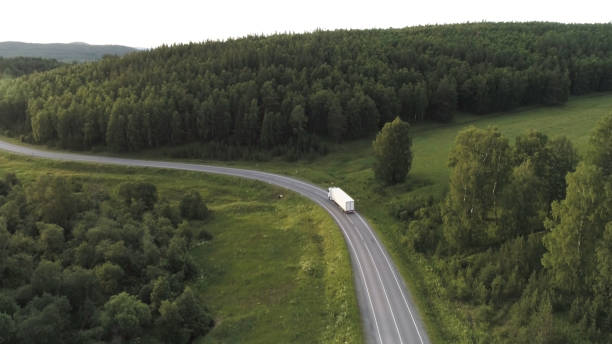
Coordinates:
x,y
282,94
19,66
64,52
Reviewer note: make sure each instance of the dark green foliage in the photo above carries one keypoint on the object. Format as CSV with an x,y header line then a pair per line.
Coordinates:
x,y
8,304
480,166
444,100
564,159
53,199
576,227
413,101
184,319
524,202
601,146
18,66
51,238
138,196
125,316
392,150
551,161
237,98
193,207
196,320
47,278
79,285
7,328
45,319
523,239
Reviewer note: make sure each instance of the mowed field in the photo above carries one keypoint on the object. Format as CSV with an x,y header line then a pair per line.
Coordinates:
x,y
277,269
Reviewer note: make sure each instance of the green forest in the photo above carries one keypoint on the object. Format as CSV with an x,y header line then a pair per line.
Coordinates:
x,y
63,52
19,66
523,237
82,264
288,94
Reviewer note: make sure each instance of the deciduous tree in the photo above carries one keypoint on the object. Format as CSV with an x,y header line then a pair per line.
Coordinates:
x,y
392,151
480,165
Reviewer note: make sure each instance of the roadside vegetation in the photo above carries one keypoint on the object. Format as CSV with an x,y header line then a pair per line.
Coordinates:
x,y
95,253
454,286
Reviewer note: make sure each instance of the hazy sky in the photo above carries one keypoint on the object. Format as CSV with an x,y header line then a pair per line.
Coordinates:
x,y
151,23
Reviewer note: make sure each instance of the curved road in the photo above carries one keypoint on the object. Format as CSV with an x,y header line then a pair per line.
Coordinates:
x,y
387,311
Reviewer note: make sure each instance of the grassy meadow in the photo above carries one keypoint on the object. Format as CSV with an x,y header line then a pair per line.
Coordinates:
x,y
277,269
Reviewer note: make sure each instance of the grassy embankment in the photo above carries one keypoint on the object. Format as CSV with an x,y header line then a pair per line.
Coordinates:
x,y
276,270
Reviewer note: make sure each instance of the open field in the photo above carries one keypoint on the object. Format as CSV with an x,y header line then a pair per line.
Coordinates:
x,y
270,274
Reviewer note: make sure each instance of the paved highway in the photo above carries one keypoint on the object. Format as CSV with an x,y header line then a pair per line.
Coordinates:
x,y
387,310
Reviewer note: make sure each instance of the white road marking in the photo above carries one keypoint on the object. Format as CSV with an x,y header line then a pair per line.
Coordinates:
x,y
395,277
386,296
365,283
355,228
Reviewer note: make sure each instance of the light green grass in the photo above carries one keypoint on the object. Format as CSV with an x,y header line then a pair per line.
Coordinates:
x,y
277,269
286,282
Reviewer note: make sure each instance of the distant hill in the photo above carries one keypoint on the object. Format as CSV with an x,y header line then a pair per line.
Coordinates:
x,y
64,52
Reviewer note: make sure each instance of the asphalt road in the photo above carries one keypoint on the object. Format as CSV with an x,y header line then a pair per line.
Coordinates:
x,y
387,310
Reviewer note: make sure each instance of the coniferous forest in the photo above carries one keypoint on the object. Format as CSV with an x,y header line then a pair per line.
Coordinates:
x,y
284,93
19,66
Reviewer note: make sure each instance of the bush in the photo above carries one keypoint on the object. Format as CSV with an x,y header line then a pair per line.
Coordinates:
x,y
193,207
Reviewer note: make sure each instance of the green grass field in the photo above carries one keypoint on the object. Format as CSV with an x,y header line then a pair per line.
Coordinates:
x,y
264,291
276,271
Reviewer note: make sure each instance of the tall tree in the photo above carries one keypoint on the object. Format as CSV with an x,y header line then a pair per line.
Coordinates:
x,y
600,153
393,152
125,316
576,225
480,165
116,137
444,100
53,200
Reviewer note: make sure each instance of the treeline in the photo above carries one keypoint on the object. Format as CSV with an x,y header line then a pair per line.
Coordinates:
x,y
523,239
63,52
19,66
288,91
81,265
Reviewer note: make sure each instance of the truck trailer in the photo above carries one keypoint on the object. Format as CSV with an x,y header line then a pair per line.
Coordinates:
x,y
343,200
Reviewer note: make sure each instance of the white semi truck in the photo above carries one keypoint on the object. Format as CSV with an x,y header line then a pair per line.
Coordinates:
x,y
343,200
